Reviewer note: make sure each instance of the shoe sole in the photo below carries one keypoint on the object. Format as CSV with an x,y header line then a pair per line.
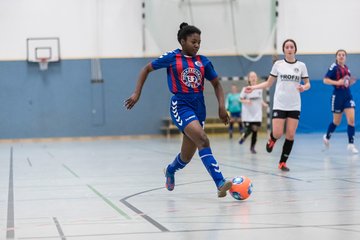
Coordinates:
x,y
222,191
285,169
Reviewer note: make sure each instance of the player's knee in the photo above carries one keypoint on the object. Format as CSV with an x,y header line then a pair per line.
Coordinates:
x,y
351,122
203,141
336,121
277,135
290,136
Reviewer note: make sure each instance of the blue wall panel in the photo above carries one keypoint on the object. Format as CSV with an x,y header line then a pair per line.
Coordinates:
x,y
59,102
316,112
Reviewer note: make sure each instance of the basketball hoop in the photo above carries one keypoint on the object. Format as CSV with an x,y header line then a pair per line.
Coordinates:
x,y
43,64
43,51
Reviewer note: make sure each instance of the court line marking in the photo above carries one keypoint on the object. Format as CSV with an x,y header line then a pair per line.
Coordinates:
x,y
105,199
333,227
145,216
266,173
10,226
29,162
58,227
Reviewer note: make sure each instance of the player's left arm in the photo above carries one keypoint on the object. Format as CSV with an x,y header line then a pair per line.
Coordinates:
x,y
305,86
219,92
305,79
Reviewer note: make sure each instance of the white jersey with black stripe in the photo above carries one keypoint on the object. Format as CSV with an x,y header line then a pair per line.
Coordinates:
x,y
289,76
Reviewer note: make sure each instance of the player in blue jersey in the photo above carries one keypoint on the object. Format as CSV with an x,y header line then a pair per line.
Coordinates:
x,y
186,72
339,76
233,105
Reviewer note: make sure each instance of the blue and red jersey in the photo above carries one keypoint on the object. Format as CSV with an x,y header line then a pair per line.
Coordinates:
x,y
337,72
185,74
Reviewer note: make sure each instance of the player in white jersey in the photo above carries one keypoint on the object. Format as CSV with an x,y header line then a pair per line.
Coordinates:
x,y
292,79
252,111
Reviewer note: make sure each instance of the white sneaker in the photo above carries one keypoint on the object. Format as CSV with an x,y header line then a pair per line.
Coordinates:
x,y
326,141
352,148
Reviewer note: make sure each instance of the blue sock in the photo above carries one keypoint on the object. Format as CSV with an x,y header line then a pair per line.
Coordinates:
x,y
176,165
330,130
351,133
211,165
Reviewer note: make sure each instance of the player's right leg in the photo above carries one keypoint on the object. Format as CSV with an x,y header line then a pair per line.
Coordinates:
x,y
331,128
337,108
188,149
181,115
278,123
246,133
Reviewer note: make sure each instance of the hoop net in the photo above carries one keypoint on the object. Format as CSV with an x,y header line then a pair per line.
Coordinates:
x,y
43,64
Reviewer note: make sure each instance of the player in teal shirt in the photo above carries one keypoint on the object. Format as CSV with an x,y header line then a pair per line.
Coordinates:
x,y
233,106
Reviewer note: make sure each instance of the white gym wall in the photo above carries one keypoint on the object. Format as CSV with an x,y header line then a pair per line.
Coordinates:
x,y
113,28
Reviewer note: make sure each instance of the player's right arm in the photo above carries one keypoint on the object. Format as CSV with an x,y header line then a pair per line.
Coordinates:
x,y
330,75
131,101
271,79
329,81
243,98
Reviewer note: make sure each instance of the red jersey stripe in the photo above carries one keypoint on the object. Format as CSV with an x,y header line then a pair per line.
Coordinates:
x,y
173,80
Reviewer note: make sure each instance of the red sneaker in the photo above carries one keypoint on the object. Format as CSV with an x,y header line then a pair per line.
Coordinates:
x,y
269,145
283,167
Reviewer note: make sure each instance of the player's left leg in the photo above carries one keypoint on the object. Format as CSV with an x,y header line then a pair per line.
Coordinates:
x,y
291,126
241,126
350,116
231,127
254,129
196,133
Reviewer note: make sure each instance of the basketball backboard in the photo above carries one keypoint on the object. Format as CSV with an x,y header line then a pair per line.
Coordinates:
x,y
43,50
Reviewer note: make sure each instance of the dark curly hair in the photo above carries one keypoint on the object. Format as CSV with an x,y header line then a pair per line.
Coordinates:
x,y
186,30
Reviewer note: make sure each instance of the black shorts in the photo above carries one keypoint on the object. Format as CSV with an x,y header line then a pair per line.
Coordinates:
x,y
285,114
249,124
